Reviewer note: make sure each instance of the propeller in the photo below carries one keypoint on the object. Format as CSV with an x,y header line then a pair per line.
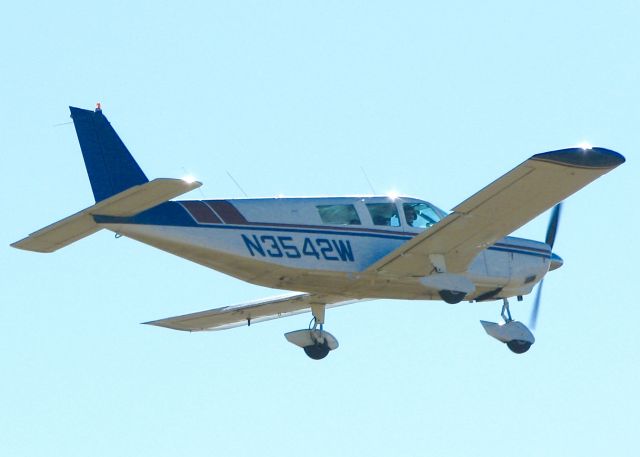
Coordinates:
x,y
550,239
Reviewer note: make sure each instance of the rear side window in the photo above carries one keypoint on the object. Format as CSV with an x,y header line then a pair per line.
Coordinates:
x,y
338,214
384,214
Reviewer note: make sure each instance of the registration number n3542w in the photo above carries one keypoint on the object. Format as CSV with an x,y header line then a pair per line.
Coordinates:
x,y
295,248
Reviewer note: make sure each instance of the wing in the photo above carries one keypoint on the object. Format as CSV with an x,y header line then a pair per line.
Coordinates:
x,y
497,210
249,313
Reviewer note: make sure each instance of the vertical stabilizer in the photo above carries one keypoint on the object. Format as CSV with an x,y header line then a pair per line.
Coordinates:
x,y
111,167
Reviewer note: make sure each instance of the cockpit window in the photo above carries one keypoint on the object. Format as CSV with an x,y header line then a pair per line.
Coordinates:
x,y
338,214
384,214
421,215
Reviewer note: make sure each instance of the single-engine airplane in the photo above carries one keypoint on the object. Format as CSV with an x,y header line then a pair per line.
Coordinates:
x,y
334,250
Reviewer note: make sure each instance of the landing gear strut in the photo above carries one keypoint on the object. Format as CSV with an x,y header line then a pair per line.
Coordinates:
x,y
514,334
316,342
506,312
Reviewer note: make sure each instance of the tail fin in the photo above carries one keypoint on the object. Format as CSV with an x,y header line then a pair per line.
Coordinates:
x,y
111,167
120,187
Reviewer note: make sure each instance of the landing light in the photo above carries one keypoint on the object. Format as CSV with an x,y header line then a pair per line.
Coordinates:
x,y
584,146
189,179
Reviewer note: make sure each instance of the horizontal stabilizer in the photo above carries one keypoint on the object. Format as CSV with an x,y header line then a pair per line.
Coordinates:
x,y
127,203
249,313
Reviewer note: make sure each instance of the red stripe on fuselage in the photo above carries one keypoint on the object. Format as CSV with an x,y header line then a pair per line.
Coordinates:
x,y
201,212
228,212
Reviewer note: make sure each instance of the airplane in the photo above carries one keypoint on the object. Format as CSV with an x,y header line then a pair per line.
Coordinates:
x,y
333,251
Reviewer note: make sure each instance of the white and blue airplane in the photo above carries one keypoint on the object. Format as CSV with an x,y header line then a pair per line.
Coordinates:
x,y
334,250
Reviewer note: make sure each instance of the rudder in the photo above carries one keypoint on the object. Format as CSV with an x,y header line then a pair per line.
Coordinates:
x,y
110,166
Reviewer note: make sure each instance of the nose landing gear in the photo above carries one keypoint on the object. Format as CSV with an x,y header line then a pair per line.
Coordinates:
x,y
514,334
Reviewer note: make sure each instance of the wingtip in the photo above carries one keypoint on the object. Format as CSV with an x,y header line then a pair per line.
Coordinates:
x,y
164,324
583,157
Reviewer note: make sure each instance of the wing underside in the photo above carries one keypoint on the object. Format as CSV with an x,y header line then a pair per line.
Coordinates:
x,y
249,313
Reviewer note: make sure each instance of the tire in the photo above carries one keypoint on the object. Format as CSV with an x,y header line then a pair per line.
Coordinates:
x,y
317,351
519,346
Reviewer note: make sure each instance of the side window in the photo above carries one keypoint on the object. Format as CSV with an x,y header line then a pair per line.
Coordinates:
x,y
420,215
384,214
338,214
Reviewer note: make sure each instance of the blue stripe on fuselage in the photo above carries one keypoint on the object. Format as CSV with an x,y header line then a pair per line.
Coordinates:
x,y
174,214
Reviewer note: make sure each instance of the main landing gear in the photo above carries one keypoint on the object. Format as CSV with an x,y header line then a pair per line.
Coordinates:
x,y
514,334
316,342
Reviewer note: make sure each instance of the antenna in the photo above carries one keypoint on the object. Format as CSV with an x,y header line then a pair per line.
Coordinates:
x,y
237,185
368,181
61,124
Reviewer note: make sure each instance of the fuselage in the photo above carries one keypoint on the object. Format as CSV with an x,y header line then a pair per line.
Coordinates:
x,y
323,244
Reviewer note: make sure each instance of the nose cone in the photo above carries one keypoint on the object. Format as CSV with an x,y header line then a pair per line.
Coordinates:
x,y
556,262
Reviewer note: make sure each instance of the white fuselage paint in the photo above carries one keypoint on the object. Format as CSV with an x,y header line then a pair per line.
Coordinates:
x,y
283,244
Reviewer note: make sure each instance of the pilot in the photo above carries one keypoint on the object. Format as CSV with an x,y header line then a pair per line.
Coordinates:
x,y
410,215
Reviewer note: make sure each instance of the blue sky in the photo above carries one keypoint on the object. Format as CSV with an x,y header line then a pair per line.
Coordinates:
x,y
432,99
